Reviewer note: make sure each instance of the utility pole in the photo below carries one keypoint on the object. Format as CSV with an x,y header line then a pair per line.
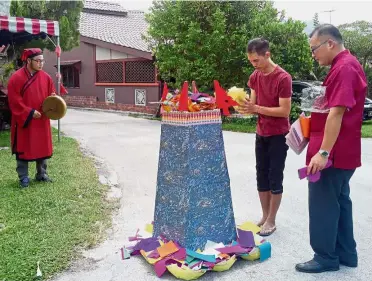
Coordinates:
x,y
330,14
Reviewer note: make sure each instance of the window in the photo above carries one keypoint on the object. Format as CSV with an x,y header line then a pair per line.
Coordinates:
x,y
139,72
125,71
109,72
70,76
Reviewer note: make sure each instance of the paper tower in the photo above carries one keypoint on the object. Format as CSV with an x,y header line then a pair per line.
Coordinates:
x,y
193,197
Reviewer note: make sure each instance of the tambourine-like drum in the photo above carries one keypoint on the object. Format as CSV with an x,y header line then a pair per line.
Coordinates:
x,y
54,107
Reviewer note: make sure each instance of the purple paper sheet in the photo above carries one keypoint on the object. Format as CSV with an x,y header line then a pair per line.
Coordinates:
x,y
154,254
302,173
233,250
148,244
246,238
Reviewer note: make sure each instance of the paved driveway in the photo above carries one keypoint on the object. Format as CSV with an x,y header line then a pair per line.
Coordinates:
x,y
130,147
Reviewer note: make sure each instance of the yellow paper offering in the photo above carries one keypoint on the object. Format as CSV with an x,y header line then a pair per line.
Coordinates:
x,y
225,265
238,95
185,272
253,255
149,260
250,226
149,228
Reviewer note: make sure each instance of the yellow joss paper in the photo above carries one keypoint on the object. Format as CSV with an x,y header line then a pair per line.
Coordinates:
x,y
184,272
253,255
225,265
149,228
149,260
250,226
237,94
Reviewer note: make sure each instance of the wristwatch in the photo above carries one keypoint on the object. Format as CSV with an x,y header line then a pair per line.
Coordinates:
x,y
324,153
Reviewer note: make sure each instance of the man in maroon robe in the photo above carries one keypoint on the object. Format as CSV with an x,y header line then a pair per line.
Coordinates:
x,y
31,136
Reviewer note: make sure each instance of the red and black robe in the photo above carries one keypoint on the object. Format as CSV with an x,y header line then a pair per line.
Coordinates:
x,y
31,138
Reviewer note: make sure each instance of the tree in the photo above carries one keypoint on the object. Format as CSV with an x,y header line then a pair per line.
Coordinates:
x,y
207,40
358,39
316,20
67,13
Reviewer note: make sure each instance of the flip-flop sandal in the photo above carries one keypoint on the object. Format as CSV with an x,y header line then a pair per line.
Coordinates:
x,y
267,233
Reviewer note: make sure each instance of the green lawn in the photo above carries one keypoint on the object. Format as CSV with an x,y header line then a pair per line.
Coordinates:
x,y
367,129
248,125
251,128
49,223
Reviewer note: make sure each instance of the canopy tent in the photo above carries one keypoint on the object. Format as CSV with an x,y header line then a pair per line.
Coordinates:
x,y
17,30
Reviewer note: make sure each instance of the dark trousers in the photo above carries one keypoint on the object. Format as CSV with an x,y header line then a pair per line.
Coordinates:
x,y
22,168
331,219
271,154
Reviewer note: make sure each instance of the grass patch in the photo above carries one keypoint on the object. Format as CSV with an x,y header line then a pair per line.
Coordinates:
x,y
236,124
248,125
367,129
49,222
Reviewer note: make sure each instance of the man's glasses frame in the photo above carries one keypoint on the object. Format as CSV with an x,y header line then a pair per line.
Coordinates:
x,y
39,61
317,47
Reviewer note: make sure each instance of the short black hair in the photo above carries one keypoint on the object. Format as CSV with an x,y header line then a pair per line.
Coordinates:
x,y
328,29
259,46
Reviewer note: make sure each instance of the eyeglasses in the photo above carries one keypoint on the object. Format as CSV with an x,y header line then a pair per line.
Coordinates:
x,y
39,61
317,47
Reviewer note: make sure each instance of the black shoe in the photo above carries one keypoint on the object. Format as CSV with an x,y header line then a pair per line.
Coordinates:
x,y
25,182
314,267
44,178
348,264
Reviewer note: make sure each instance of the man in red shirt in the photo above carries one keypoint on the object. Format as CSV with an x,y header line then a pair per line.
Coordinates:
x,y
270,99
336,136
31,136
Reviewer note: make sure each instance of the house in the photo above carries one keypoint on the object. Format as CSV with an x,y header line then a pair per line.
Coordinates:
x,y
113,67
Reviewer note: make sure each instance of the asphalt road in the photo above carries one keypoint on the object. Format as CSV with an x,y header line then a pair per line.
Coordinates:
x,y
130,146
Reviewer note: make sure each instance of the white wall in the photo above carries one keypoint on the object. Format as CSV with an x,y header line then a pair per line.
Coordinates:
x,y
107,54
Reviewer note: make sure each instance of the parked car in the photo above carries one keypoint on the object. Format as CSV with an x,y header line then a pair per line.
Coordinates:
x,y
367,114
298,86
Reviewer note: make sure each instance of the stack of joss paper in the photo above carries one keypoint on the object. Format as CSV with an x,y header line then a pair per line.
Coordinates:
x,y
299,134
187,264
196,101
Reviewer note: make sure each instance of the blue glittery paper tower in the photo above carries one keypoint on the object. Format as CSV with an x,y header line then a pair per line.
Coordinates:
x,y
193,197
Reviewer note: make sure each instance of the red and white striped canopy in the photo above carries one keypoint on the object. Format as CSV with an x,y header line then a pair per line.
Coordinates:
x,y
31,26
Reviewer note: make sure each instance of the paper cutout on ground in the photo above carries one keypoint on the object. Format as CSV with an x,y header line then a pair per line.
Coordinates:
x,y
149,228
225,265
253,255
154,254
167,249
189,265
233,249
210,258
213,245
189,259
246,238
125,254
149,259
148,244
249,226
38,271
265,251
185,272
210,248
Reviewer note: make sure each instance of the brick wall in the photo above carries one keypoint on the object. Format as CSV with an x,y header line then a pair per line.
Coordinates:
x,y
91,102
